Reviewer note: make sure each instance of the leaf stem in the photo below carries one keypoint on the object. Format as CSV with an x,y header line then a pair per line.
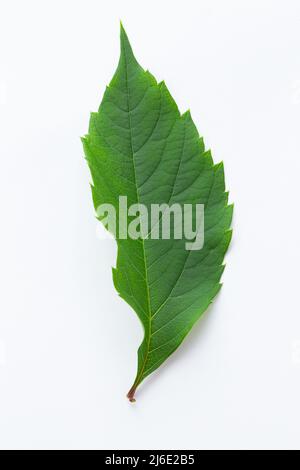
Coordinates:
x,y
130,394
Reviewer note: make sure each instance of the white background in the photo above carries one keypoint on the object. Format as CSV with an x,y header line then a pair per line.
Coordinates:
x,y
67,341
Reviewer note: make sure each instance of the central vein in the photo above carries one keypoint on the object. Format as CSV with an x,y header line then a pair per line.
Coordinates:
x,y
140,374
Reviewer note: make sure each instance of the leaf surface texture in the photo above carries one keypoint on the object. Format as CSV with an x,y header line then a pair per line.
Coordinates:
x,y
140,146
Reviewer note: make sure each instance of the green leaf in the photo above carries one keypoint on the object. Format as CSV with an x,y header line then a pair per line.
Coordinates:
x,y
140,146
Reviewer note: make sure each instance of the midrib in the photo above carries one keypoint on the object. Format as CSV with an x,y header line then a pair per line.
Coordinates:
x,y
140,374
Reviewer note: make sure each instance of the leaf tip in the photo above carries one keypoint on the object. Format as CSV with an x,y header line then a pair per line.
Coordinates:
x,y
126,49
123,35
122,30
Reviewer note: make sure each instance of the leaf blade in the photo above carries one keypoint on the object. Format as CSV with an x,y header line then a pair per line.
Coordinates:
x,y
140,146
